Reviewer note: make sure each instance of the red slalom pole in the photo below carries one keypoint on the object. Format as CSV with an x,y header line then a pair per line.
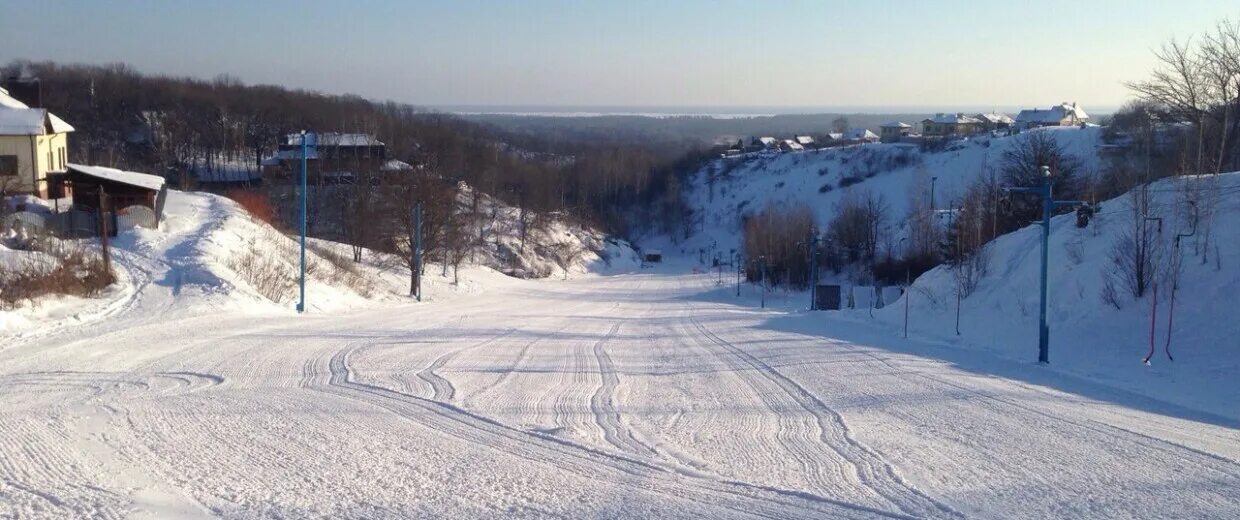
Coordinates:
x,y
1170,320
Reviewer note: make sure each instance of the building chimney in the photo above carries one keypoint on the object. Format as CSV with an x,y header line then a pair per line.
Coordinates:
x,y
25,89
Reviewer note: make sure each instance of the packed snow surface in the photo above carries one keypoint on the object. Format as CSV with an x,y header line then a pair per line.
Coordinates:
x,y
650,394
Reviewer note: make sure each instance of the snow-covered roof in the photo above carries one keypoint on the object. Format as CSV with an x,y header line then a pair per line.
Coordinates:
x,y
953,119
793,145
862,133
896,124
995,118
7,101
290,155
805,139
395,165
333,139
835,136
141,180
768,140
16,118
1053,114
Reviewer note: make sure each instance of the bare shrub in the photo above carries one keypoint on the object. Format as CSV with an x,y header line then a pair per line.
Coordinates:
x,y
267,275
1109,294
970,270
775,242
1136,254
256,203
54,267
337,269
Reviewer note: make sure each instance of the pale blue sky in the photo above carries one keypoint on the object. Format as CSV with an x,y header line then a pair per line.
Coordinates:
x,y
633,52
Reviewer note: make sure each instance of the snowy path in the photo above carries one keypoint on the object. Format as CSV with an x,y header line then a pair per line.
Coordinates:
x,y
633,396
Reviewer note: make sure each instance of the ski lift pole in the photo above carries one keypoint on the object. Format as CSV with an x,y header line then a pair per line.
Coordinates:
x,y
1048,204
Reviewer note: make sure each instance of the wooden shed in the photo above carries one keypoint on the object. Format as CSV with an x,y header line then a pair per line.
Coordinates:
x,y
123,189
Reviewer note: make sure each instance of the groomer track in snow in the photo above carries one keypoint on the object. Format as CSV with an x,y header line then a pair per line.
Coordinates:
x,y
652,395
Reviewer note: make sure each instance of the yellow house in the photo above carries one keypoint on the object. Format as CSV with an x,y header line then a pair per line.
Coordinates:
x,y
34,147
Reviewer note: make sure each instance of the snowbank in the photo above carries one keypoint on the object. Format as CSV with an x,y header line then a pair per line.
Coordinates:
x,y
1089,336
210,255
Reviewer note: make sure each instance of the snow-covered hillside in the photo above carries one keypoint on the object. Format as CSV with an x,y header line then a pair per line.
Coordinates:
x,y
748,184
1088,335
210,254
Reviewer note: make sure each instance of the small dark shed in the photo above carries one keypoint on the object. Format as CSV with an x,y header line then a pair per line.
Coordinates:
x,y
652,256
827,297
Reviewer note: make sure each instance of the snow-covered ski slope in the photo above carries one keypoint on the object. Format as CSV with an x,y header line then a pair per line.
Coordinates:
x,y
746,185
196,262
648,395
656,394
1089,336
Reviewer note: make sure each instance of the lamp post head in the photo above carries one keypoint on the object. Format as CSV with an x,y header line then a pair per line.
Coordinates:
x,y
1046,171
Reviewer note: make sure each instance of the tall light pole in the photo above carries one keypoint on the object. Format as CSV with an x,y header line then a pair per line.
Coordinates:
x,y
932,181
738,272
417,249
813,271
301,303
1048,205
762,275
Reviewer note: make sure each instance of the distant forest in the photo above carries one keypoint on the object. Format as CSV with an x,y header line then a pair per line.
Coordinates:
x,y
682,131
195,122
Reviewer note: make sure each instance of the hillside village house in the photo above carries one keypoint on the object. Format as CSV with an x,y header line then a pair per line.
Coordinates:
x,y
760,143
1063,114
863,135
331,157
995,121
33,148
893,131
804,140
944,125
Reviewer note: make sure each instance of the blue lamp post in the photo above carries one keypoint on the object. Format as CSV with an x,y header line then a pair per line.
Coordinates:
x,y
1048,205
301,304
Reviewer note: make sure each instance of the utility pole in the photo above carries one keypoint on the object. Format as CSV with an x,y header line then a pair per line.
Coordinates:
x,y
813,271
104,231
301,302
1048,205
932,181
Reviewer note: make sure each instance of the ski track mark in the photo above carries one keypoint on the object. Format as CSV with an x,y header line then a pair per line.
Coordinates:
x,y
567,455
874,472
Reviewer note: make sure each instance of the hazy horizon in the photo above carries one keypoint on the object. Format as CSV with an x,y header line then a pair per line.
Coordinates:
x,y
875,58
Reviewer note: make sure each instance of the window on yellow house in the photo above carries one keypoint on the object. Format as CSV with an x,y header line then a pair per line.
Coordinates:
x,y
8,165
